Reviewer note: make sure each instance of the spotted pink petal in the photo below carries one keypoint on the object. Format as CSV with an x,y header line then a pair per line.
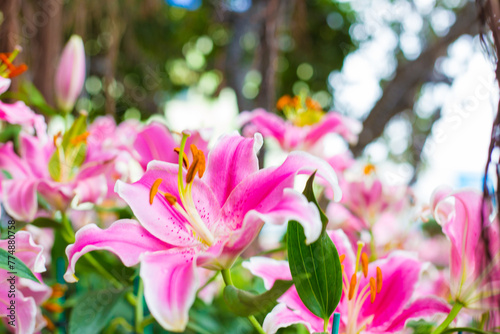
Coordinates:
x,y
125,238
160,218
170,285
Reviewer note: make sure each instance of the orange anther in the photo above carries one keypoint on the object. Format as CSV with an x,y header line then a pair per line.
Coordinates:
x,y
80,138
364,263
283,101
18,70
379,279
198,165
352,286
342,258
154,190
50,325
170,198
369,168
373,292
313,104
185,160
53,307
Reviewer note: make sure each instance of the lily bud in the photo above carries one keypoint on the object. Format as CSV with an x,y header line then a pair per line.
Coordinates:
x,y
70,74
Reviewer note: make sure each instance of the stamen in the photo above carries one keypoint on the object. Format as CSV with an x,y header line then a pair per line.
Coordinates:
x,y
201,157
352,286
170,198
358,255
154,190
373,288
379,279
80,138
364,263
342,258
185,160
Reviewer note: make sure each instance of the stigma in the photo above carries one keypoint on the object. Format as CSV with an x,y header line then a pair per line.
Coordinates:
x,y
187,210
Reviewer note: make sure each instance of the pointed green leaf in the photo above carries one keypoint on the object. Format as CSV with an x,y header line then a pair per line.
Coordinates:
x,y
320,291
13,264
244,303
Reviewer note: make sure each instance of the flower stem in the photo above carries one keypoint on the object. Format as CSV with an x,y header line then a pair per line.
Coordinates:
x,y
226,275
451,316
325,325
103,271
139,308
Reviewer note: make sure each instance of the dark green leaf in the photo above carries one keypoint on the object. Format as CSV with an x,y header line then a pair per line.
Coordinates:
x,y
244,303
309,194
44,222
93,311
12,264
30,95
321,290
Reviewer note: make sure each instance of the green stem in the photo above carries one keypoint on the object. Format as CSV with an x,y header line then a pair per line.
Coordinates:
x,y
68,233
226,275
103,271
451,316
325,325
139,308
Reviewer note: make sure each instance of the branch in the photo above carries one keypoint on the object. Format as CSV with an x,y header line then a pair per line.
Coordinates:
x,y
399,94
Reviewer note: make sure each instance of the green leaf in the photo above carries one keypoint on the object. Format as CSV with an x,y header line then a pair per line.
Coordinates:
x,y
309,194
12,264
44,222
6,174
244,303
30,95
320,291
71,153
93,311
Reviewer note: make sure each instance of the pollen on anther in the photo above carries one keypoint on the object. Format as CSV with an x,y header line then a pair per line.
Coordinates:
x,y
364,264
373,288
170,198
352,286
185,160
154,190
379,279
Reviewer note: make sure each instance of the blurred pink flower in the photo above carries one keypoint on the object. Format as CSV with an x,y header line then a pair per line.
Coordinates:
x,y
376,299
474,282
294,137
30,295
206,221
19,113
70,75
26,174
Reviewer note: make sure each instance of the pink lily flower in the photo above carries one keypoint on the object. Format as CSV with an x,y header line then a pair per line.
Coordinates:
x,y
297,136
473,282
70,75
28,173
29,295
19,113
191,216
377,296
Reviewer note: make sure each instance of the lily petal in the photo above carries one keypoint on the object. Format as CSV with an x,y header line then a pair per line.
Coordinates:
x,y
155,142
19,198
27,251
335,123
281,316
231,160
26,310
422,308
401,273
125,238
170,285
268,269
